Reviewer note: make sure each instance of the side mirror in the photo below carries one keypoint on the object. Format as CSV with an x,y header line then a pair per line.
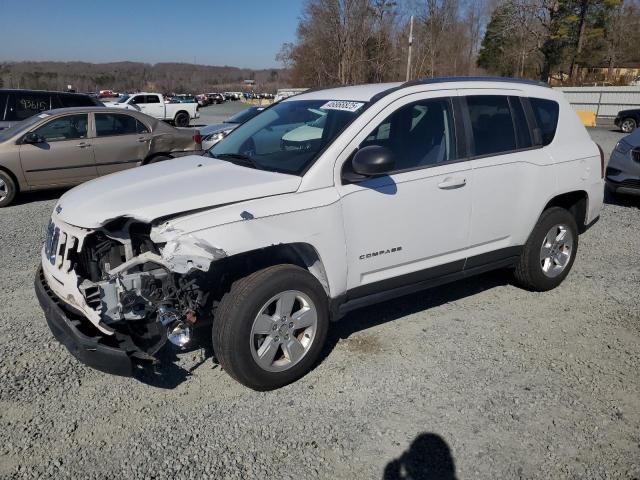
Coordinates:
x,y
33,138
373,160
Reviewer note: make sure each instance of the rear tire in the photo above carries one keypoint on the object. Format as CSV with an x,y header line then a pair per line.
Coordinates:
x,y
269,329
8,189
182,119
550,251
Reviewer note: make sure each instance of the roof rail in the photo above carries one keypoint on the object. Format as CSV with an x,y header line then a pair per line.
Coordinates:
x,y
433,80
476,79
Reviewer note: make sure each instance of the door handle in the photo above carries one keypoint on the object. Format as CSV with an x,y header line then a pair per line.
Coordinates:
x,y
142,139
452,182
83,144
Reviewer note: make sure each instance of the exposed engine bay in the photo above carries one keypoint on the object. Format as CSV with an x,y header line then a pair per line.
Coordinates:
x,y
144,291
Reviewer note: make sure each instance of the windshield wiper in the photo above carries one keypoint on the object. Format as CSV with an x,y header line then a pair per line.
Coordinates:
x,y
240,158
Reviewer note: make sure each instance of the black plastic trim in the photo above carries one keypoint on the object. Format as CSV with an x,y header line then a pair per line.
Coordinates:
x,y
416,281
87,350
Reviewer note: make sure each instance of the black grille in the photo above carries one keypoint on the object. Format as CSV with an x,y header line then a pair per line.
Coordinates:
x,y
635,154
631,182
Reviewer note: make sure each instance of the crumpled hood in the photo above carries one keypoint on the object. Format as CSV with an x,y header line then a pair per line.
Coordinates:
x,y
166,188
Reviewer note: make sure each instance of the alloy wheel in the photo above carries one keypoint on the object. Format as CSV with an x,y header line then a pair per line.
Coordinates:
x,y
556,250
628,125
4,190
283,331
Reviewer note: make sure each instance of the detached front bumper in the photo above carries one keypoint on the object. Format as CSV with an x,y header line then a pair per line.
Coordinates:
x,y
83,340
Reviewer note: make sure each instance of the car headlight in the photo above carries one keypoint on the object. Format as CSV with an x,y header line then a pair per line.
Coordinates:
x,y
622,147
216,137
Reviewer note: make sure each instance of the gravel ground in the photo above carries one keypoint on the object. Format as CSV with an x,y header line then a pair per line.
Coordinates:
x,y
477,379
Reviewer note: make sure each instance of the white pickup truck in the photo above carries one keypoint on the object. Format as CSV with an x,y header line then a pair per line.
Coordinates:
x,y
154,105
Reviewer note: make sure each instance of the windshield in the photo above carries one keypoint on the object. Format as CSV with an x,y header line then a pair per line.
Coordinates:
x,y
7,133
288,136
244,115
123,99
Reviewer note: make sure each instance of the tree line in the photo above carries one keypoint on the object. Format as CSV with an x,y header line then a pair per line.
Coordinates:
x,y
135,76
342,42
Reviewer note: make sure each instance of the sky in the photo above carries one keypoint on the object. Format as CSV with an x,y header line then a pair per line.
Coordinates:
x,y
240,33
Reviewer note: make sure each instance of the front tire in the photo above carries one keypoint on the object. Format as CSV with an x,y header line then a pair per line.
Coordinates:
x,y
269,329
8,189
550,251
628,125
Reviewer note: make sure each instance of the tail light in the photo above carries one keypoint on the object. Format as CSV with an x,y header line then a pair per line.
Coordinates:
x,y
601,161
198,138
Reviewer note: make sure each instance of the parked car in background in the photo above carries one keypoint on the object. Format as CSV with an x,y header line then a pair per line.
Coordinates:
x,y
233,95
17,105
184,98
107,94
216,98
202,100
623,169
410,186
154,105
68,146
628,120
283,93
212,134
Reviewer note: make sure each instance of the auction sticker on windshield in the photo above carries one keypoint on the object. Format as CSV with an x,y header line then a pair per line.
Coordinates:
x,y
342,105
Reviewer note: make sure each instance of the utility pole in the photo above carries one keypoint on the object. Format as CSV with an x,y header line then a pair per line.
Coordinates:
x,y
410,44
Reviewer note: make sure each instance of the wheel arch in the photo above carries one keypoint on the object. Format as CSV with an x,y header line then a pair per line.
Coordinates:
x,y
576,202
179,112
155,155
242,264
13,177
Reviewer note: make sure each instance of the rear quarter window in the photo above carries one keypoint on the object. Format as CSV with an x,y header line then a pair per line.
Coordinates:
x,y
76,101
546,113
28,104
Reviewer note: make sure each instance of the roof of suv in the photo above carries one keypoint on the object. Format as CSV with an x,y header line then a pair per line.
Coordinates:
x,y
367,92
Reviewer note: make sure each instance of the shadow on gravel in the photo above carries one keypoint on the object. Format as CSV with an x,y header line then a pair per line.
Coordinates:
x,y
428,458
392,310
168,374
38,196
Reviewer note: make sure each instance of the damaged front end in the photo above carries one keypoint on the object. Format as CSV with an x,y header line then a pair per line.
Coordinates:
x,y
135,292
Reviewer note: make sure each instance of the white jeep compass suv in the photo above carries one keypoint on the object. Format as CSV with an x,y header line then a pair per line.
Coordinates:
x,y
323,203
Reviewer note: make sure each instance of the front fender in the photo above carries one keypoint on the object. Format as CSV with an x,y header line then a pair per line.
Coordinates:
x,y
313,218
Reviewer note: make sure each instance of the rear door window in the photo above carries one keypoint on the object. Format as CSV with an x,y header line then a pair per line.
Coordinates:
x,y
546,113
141,127
110,124
153,99
491,124
28,104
